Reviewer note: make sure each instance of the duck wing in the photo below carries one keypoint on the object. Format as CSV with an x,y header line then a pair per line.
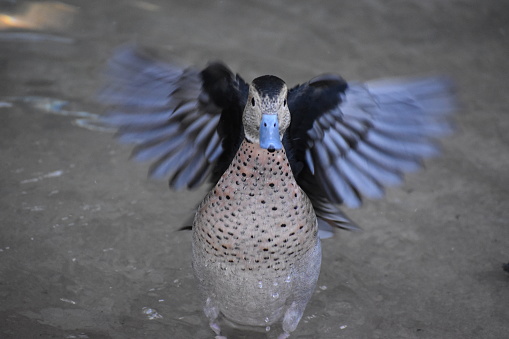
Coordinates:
x,y
350,140
186,121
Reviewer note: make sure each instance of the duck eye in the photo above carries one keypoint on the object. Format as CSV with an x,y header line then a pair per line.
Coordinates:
x,y
252,101
284,103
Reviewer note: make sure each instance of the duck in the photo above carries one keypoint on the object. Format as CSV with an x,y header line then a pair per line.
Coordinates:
x,y
280,160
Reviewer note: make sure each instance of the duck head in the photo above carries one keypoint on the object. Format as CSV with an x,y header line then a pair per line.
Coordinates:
x,y
266,115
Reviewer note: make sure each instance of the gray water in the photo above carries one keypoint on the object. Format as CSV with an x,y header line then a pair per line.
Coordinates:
x,y
89,247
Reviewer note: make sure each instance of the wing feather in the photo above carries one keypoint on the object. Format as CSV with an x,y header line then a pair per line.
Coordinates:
x,y
174,115
355,139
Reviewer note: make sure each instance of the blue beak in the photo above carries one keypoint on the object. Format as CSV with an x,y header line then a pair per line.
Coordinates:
x,y
269,133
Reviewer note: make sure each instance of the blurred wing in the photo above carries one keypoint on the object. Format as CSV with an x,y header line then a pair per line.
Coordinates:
x,y
354,139
176,117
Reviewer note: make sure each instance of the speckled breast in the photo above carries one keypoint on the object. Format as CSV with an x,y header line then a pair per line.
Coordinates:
x,y
251,232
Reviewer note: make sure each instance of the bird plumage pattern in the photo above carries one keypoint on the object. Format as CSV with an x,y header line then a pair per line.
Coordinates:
x,y
256,253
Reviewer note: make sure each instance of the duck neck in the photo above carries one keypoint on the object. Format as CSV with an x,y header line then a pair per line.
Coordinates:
x,y
253,164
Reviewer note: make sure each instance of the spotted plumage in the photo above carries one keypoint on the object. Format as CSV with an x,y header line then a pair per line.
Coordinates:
x,y
254,234
280,160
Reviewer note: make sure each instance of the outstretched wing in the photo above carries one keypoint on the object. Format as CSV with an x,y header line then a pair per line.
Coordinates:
x,y
187,122
351,140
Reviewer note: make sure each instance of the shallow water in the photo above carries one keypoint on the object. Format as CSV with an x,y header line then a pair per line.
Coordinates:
x,y
89,247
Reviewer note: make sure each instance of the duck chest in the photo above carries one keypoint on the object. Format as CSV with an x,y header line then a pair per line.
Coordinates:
x,y
256,217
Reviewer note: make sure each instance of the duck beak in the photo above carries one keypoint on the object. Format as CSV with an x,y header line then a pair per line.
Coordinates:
x,y
269,133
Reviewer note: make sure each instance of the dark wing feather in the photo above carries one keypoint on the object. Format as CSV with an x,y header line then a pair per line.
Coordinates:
x,y
186,121
352,140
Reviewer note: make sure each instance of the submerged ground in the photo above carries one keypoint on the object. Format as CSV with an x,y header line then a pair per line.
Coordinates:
x,y
89,247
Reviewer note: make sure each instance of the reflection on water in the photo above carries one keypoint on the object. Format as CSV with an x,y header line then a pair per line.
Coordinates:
x,y
39,16
90,121
33,37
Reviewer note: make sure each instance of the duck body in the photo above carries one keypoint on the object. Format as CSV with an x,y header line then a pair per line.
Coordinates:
x,y
256,253
281,161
